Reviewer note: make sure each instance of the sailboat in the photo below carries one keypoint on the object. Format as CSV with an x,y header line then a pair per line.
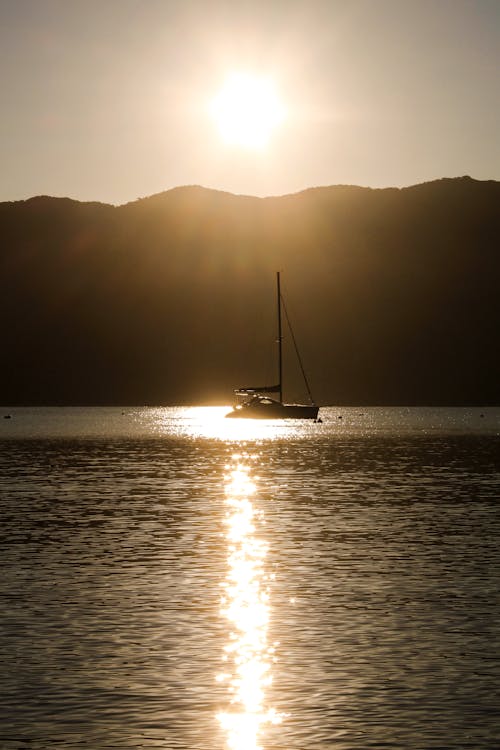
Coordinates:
x,y
257,403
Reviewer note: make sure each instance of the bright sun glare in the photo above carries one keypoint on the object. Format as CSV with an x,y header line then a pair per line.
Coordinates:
x,y
247,110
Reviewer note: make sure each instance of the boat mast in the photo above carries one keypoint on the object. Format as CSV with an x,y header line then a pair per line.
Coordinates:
x,y
280,358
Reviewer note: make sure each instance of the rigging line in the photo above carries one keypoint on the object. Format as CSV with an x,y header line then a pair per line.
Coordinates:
x,y
297,351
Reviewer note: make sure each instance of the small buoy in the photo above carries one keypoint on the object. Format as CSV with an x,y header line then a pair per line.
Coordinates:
x,y
7,416
340,416
482,416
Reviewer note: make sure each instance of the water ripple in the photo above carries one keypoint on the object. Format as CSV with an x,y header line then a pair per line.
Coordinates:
x,y
382,544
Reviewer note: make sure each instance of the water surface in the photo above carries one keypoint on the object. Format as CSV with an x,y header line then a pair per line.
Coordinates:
x,y
171,579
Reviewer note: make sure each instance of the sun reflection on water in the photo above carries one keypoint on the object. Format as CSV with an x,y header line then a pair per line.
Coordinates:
x,y
245,604
208,422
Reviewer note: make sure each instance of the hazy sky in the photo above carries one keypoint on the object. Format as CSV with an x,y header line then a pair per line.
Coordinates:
x,y
109,99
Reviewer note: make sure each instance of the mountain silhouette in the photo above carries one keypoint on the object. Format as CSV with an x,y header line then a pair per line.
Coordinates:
x,y
393,294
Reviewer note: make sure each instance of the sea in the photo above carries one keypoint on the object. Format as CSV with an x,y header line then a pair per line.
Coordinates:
x,y
172,579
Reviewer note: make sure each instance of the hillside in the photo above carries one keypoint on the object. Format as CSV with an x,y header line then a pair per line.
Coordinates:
x,y
170,299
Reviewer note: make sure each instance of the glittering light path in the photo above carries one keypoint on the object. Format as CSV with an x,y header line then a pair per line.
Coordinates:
x,y
245,604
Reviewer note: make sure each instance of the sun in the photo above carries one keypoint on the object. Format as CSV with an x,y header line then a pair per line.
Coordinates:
x,y
247,110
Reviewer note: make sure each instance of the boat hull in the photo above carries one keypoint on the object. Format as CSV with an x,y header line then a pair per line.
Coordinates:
x,y
273,411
